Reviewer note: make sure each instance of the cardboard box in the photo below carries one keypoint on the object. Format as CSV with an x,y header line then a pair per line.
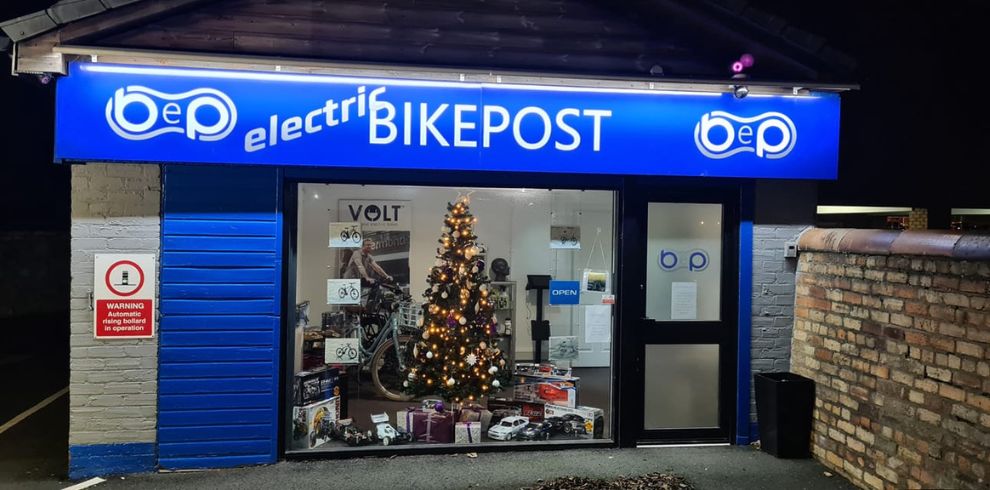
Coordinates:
x,y
506,408
475,413
557,394
316,385
586,422
467,433
313,424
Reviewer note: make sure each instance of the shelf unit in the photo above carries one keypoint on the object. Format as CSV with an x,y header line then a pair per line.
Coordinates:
x,y
503,297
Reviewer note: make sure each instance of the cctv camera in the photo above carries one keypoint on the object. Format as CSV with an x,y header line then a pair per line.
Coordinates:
x,y
740,91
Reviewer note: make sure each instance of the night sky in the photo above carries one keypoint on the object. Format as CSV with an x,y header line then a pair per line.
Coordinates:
x,y
914,134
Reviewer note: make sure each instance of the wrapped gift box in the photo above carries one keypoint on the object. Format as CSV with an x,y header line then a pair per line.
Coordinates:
x,y
586,422
312,424
467,433
427,425
475,413
316,385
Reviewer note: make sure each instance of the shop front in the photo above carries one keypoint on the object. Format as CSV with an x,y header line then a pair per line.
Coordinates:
x,y
395,264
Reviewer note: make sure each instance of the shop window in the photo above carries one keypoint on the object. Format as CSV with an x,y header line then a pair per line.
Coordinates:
x,y
413,320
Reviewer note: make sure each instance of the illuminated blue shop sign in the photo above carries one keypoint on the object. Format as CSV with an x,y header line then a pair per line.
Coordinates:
x,y
147,114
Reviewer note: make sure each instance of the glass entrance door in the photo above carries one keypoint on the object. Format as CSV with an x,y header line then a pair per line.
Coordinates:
x,y
680,274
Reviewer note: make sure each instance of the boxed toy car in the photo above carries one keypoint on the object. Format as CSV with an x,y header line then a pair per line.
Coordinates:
x,y
507,408
312,425
580,421
316,385
557,394
426,425
467,433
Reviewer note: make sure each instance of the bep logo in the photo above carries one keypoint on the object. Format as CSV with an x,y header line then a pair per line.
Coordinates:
x,y
139,113
693,260
774,135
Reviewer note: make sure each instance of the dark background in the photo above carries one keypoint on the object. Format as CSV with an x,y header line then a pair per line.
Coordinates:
x,y
913,135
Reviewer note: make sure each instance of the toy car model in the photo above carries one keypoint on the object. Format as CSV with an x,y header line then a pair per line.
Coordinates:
x,y
574,424
386,433
535,431
558,425
501,413
508,428
346,431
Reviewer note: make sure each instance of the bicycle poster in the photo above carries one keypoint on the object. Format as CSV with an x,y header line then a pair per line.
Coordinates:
x,y
341,351
343,291
386,223
565,237
345,235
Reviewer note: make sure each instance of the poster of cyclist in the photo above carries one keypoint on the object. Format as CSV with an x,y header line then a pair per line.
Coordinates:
x,y
343,291
565,237
346,235
385,228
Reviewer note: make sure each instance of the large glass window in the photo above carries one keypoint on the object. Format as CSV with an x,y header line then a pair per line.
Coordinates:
x,y
414,324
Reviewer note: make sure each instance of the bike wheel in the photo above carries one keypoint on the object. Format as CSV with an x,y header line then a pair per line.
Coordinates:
x,y
356,236
385,373
355,294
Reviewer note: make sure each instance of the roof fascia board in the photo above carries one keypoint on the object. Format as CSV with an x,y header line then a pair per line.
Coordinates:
x,y
293,65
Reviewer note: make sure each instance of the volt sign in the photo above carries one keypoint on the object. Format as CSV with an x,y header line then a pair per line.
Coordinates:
x,y
123,113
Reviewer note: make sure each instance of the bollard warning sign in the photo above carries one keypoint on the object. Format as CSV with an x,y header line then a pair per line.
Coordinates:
x,y
124,296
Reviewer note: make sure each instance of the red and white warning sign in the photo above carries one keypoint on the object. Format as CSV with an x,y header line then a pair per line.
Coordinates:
x,y
124,296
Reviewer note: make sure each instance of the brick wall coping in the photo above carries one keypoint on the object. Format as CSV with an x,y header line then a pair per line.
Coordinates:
x,y
939,243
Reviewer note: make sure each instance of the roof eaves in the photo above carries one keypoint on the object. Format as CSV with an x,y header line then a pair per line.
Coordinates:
x,y
59,14
28,26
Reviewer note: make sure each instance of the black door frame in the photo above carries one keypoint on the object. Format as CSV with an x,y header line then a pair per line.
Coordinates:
x,y
636,331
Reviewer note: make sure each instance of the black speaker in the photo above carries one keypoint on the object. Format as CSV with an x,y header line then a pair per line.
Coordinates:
x,y
541,329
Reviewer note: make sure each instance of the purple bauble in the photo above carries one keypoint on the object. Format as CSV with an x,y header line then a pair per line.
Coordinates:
x,y
439,407
451,322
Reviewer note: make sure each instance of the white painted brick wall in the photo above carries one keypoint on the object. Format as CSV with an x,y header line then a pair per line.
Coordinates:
x,y
773,299
113,384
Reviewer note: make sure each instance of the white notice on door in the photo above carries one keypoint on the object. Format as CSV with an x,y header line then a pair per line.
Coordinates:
x,y
597,324
683,301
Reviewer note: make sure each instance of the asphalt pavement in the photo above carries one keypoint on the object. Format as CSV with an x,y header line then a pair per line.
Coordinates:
x,y
705,467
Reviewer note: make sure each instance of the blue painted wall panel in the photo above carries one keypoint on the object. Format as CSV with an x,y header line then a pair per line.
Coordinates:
x,y
87,461
218,385
213,433
220,296
215,369
216,291
218,259
186,243
199,418
209,322
223,338
201,227
225,354
187,275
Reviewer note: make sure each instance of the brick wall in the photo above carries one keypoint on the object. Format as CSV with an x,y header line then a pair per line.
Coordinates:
x,y
113,383
772,300
898,346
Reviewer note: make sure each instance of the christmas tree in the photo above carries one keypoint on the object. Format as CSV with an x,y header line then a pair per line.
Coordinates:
x,y
456,358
